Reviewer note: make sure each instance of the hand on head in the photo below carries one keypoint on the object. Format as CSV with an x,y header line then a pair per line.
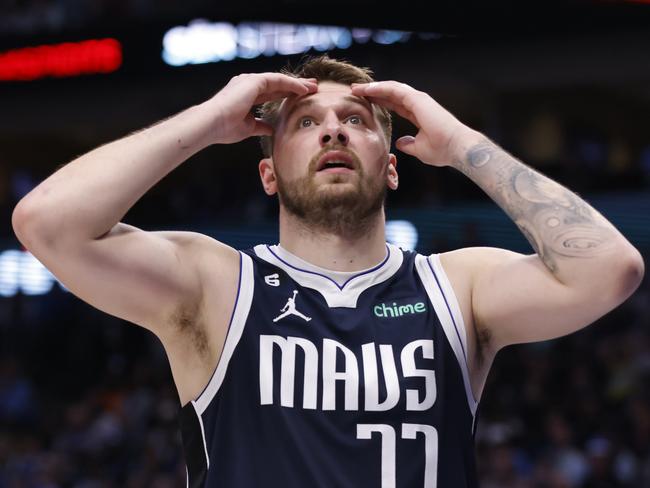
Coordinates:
x,y
436,126
233,104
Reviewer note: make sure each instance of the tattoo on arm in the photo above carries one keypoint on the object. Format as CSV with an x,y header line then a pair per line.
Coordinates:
x,y
556,221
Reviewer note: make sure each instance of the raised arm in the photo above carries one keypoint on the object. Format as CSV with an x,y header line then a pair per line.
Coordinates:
x,y
71,221
583,266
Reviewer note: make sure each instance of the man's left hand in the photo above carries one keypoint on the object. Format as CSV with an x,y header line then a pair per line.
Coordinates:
x,y
440,135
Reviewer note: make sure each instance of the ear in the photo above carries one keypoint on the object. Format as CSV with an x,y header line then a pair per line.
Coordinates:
x,y
267,175
391,177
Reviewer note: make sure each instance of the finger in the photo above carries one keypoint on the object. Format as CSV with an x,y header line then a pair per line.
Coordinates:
x,y
388,104
406,144
269,96
279,82
390,94
398,109
392,90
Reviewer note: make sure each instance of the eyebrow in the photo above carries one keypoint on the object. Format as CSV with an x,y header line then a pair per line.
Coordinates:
x,y
307,102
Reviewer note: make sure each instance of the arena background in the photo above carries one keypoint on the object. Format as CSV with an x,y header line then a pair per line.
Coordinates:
x,y
86,400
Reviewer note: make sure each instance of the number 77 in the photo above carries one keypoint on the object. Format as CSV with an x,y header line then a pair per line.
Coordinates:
x,y
389,447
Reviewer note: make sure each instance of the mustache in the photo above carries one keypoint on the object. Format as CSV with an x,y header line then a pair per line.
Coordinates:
x,y
313,163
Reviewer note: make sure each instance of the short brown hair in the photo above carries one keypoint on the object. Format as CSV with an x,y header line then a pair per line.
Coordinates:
x,y
323,68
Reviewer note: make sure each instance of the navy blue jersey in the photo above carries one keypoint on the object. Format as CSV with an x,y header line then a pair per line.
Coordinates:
x,y
355,380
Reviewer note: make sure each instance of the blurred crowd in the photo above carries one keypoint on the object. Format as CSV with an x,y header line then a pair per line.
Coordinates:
x,y
87,401
574,412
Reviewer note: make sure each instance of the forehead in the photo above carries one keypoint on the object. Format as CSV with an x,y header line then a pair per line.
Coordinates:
x,y
329,93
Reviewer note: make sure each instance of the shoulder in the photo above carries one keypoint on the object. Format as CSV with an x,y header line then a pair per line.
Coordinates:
x,y
463,267
203,251
470,258
217,267
198,329
196,241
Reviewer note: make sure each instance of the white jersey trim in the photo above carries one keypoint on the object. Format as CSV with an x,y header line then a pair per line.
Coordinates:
x,y
205,446
444,302
235,330
345,295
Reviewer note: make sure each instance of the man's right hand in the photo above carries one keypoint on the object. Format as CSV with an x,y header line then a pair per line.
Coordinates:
x,y
233,104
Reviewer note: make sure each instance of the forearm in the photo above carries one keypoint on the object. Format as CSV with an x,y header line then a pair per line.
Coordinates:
x,y
87,197
569,235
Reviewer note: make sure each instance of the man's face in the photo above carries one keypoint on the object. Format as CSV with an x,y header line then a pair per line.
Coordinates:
x,y
330,158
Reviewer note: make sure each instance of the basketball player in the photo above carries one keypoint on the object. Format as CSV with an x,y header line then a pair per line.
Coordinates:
x,y
331,359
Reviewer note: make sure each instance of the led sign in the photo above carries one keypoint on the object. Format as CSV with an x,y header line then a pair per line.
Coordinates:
x,y
61,60
21,272
208,42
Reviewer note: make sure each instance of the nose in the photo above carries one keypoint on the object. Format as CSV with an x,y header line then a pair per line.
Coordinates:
x,y
333,133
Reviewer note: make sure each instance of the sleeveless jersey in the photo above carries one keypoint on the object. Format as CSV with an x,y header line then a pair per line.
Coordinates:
x,y
324,383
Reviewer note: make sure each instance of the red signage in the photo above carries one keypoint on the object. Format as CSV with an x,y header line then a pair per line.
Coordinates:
x,y
61,60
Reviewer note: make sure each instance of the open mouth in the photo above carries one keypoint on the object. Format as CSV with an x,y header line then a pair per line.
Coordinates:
x,y
335,167
335,162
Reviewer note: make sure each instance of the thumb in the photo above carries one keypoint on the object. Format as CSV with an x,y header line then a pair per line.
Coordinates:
x,y
406,144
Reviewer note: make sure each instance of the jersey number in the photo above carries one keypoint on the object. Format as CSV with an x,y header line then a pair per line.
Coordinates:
x,y
389,447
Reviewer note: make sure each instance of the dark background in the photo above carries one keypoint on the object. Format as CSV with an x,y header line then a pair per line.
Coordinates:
x,y
87,400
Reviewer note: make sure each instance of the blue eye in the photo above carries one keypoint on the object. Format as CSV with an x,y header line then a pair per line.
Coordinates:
x,y
355,120
305,122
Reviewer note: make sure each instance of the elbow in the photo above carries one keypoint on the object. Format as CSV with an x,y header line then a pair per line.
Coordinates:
x,y
25,220
19,218
633,271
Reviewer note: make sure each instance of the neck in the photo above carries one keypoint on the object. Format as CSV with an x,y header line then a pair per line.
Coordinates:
x,y
333,251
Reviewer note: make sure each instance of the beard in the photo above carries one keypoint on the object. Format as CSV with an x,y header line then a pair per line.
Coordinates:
x,y
344,204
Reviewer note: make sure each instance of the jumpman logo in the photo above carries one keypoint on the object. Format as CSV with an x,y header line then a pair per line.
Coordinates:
x,y
290,309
